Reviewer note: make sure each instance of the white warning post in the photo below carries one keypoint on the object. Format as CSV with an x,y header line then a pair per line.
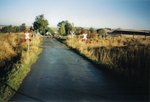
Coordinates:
x,y
27,38
84,37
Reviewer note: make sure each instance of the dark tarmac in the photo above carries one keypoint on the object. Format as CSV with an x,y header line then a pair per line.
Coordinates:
x,y
61,75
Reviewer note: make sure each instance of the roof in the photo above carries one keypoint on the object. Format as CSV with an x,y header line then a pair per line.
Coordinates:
x,y
130,31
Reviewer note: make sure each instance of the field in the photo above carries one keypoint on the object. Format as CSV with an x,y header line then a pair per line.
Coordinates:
x,y
124,55
15,61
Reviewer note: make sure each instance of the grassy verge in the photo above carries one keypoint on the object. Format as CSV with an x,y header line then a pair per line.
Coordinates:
x,y
18,70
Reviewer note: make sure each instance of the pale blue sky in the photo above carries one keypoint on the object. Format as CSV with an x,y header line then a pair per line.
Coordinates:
x,y
128,14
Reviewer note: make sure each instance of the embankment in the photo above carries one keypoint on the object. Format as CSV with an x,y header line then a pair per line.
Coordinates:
x,y
15,62
124,56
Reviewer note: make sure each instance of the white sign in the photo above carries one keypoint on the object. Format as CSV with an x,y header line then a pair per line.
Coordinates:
x,y
84,36
27,37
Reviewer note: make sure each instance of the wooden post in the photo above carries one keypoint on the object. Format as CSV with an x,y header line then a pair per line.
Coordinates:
x,y
27,37
28,44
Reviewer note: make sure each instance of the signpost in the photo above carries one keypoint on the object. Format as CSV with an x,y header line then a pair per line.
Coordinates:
x,y
84,37
27,38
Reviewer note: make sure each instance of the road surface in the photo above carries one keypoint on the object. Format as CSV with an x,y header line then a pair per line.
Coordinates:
x,y
61,75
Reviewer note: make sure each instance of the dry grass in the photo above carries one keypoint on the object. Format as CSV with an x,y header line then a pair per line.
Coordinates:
x,y
15,61
6,50
109,41
13,49
124,54
12,44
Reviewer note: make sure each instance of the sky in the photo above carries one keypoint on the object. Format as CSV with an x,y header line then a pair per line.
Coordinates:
x,y
126,14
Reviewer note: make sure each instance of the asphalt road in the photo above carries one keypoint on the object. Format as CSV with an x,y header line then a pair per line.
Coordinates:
x,y
61,75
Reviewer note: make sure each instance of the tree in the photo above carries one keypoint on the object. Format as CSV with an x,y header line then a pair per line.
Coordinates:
x,y
65,27
68,27
41,24
62,29
92,33
16,29
7,29
92,30
78,30
51,30
102,32
23,27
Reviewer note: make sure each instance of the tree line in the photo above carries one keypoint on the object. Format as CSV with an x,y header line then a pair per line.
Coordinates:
x,y
41,25
64,28
14,29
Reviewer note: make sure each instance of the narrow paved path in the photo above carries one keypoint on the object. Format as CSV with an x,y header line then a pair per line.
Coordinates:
x,y
60,75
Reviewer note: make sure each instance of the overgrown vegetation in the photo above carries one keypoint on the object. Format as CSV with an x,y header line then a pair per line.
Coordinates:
x,y
15,61
124,55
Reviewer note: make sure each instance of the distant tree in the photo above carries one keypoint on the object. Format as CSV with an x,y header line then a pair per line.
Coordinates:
x,y
92,30
64,27
41,24
17,29
73,28
52,31
23,27
7,29
31,28
14,29
77,30
10,28
102,32
68,28
83,30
